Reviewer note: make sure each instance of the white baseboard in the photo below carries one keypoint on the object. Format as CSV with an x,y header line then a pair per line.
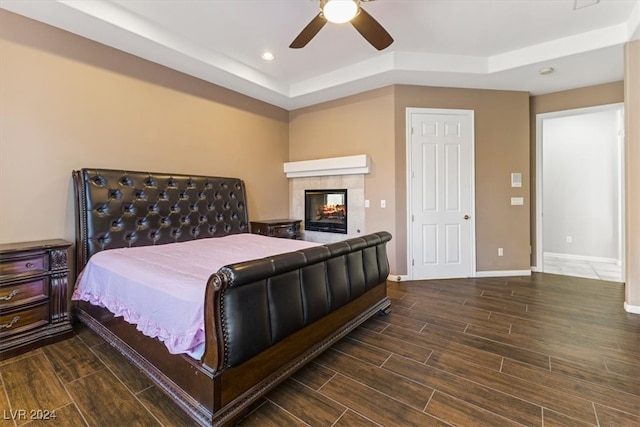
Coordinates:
x,y
503,273
635,309
398,277
583,258
535,269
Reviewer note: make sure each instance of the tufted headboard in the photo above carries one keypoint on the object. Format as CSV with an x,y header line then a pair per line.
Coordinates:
x,y
118,208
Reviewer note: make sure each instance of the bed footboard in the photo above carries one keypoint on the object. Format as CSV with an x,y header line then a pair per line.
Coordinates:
x,y
275,314
261,302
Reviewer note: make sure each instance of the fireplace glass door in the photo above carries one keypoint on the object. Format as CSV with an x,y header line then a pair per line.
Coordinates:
x,y
326,210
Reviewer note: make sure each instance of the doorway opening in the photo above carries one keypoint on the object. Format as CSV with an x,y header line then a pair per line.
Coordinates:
x,y
580,192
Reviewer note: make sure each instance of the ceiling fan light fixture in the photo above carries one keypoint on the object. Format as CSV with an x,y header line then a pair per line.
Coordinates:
x,y
340,11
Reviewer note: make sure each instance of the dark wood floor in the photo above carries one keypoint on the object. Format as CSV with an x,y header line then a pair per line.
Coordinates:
x,y
544,350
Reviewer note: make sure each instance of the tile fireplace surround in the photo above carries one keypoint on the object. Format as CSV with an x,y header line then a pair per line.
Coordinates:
x,y
355,200
339,172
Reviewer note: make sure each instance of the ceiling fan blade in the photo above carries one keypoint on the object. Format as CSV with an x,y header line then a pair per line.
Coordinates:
x,y
371,30
309,32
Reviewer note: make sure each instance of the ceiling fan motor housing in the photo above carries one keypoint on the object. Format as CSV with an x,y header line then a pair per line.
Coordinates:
x,y
364,23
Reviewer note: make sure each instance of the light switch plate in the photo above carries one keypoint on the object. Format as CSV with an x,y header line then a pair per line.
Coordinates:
x,y
516,179
517,201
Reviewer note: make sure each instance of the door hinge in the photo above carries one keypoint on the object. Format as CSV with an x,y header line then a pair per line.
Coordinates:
x,y
411,130
412,219
413,262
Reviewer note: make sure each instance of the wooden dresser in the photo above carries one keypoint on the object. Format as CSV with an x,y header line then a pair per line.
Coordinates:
x,y
286,228
34,307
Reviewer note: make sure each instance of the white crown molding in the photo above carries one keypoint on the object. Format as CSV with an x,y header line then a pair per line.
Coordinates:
x,y
106,22
572,45
633,23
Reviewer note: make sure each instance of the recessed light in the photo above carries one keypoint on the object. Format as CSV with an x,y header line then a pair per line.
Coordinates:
x,y
268,56
545,70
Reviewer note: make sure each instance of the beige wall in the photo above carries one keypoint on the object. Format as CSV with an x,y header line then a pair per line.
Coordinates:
x,y
632,172
374,123
69,103
609,93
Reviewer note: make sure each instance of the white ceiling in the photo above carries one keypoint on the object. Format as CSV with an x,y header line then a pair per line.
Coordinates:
x,y
491,44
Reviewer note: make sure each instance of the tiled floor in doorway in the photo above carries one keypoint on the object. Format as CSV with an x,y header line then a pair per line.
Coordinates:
x,y
582,268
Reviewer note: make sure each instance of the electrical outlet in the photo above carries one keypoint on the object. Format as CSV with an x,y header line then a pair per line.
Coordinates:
x,y
500,252
366,203
569,239
383,203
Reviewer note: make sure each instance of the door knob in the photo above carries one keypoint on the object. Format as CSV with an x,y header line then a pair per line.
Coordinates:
x,y
466,217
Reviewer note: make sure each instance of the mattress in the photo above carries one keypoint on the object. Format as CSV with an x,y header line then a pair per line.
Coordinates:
x,y
161,289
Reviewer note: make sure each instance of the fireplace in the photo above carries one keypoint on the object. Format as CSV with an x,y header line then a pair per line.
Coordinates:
x,y
325,210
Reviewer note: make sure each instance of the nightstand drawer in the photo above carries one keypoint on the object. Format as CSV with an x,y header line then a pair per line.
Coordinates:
x,y
287,231
23,320
33,264
23,293
34,295
283,228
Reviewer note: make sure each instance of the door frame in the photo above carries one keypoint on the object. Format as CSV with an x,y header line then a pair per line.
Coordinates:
x,y
539,166
472,194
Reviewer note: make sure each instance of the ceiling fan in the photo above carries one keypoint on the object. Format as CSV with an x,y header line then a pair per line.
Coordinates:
x,y
341,11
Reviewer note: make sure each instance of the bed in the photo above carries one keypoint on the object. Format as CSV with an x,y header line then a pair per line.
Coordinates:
x,y
264,318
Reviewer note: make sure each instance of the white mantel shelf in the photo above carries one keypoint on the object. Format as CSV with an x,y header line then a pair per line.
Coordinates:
x,y
349,165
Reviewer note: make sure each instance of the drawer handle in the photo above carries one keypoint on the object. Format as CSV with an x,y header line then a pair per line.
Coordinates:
x,y
11,295
30,265
15,320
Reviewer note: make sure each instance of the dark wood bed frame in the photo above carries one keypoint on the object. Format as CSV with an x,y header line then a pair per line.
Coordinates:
x,y
264,318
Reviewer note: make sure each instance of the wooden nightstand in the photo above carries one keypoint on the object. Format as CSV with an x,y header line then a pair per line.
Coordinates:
x,y
34,306
285,228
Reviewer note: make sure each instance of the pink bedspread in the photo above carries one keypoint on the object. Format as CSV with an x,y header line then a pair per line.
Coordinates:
x,y
161,288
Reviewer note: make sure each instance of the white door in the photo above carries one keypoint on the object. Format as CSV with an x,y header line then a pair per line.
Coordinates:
x,y
440,167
